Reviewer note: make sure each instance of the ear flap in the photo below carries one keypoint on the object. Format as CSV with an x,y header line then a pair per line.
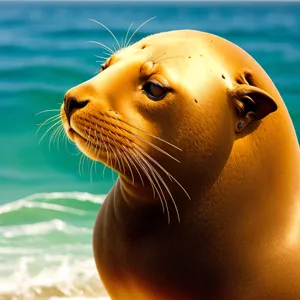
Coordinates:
x,y
252,103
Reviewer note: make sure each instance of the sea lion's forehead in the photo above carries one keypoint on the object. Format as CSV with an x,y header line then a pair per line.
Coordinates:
x,y
174,42
164,48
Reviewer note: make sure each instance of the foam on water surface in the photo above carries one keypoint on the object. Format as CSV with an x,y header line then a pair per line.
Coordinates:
x,y
46,247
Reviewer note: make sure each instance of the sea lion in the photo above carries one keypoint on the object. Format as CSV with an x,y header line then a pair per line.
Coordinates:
x,y
206,205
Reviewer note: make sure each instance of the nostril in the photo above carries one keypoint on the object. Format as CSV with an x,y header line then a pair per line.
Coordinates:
x,y
72,104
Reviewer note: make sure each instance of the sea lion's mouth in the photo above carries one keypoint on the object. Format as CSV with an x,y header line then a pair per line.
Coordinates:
x,y
87,144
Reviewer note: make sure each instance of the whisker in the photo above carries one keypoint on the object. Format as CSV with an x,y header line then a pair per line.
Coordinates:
x,y
126,36
161,167
90,161
129,160
67,141
107,157
102,57
166,58
153,56
91,171
154,146
55,124
103,46
98,147
47,110
108,54
108,31
145,132
54,132
156,176
113,166
51,119
144,164
116,156
122,156
140,163
168,190
114,48
80,167
58,136
82,158
94,163
138,30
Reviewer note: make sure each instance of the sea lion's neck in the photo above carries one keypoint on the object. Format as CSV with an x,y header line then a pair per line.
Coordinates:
x,y
137,200
217,204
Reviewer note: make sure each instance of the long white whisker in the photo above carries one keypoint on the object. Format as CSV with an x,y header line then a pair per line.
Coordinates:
x,y
126,36
80,166
52,137
128,160
102,57
108,31
144,164
138,30
147,133
47,110
161,167
58,136
55,124
116,156
51,119
167,189
154,146
107,156
103,46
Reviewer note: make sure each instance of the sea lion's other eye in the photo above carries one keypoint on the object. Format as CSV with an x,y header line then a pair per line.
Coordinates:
x,y
154,91
103,67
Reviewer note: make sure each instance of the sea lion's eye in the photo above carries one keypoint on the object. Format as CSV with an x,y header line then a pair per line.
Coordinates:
x,y
103,67
154,91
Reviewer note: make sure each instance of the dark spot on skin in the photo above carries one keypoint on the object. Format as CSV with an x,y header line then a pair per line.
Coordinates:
x,y
110,110
211,41
143,47
223,76
201,55
196,100
189,56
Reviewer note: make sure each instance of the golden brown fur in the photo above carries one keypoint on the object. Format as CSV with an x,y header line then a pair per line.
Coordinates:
x,y
207,201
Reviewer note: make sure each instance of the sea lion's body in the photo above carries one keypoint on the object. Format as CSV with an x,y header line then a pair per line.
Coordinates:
x,y
237,237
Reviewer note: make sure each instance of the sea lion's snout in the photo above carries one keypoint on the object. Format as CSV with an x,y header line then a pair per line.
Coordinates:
x,y
71,104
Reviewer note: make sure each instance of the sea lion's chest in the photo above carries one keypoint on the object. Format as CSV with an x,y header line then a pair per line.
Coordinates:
x,y
160,260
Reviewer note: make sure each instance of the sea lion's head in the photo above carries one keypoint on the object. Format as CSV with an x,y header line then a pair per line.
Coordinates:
x,y
180,102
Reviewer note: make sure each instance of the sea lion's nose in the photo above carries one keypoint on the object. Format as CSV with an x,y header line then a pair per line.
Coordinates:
x,y
71,104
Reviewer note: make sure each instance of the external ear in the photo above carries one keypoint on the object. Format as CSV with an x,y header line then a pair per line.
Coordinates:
x,y
252,103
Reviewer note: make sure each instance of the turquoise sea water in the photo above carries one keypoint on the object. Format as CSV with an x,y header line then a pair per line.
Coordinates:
x,y
47,207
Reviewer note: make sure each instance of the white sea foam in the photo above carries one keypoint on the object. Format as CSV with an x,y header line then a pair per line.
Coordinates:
x,y
51,257
34,201
68,195
14,206
42,228
70,278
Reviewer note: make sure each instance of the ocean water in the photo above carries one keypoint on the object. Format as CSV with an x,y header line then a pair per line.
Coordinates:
x,y
49,197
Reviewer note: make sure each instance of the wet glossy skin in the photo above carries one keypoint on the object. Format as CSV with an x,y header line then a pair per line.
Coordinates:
x,y
226,225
